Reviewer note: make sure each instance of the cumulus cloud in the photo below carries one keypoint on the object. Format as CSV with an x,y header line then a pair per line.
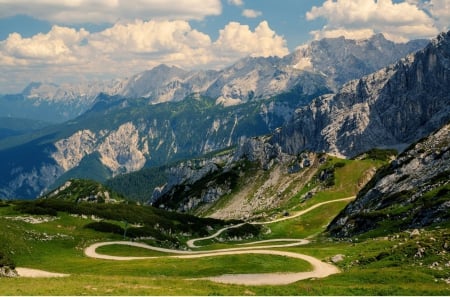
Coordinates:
x,y
237,39
250,13
149,37
440,11
109,11
352,18
57,46
127,48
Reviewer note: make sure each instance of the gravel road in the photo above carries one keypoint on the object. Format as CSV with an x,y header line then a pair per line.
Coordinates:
x,y
319,268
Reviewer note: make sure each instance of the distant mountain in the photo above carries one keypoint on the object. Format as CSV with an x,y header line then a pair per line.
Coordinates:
x,y
390,108
329,62
124,135
53,103
412,192
342,60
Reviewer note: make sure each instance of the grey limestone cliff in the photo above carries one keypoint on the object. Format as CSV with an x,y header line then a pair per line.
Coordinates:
x,y
392,107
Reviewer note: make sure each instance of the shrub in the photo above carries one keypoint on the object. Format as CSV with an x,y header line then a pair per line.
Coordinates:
x,y
35,209
381,154
246,230
105,227
339,165
146,231
6,261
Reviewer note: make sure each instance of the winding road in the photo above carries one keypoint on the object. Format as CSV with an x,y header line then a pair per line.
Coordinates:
x,y
320,269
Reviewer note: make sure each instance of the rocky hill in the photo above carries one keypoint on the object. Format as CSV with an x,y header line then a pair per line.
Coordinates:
x,y
392,107
227,188
412,192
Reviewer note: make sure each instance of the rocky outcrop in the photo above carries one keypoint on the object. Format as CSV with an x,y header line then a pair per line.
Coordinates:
x,y
412,192
183,182
389,108
121,150
78,190
6,271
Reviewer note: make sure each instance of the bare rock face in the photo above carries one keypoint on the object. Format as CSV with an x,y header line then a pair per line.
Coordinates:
x,y
412,192
389,108
121,150
259,150
183,184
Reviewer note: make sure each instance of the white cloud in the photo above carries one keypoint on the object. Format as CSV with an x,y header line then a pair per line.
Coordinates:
x,y
57,46
67,54
237,39
250,13
440,10
109,11
400,21
149,37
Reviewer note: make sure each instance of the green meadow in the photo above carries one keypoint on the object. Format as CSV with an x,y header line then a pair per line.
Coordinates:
x,y
370,265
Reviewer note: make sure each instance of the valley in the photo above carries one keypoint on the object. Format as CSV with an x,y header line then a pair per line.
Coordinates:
x,y
273,176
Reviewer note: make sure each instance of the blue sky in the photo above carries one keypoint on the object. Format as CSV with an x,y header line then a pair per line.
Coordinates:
x,y
62,41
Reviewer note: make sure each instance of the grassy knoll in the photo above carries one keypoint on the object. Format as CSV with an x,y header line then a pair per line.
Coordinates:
x,y
129,251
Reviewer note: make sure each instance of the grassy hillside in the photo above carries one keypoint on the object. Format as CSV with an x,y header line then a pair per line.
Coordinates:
x,y
411,262
57,246
246,190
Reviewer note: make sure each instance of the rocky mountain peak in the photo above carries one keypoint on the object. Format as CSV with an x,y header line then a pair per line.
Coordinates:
x,y
392,107
342,60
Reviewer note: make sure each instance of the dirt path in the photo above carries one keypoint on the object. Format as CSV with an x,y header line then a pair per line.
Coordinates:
x,y
320,269
304,211
28,272
191,243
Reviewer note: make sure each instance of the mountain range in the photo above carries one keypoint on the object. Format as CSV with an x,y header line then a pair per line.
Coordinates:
x,y
328,62
391,108
200,112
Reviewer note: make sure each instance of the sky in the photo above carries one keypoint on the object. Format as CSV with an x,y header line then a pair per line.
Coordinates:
x,y
71,41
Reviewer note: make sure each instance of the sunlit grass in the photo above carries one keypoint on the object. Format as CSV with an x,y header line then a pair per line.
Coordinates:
x,y
309,224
